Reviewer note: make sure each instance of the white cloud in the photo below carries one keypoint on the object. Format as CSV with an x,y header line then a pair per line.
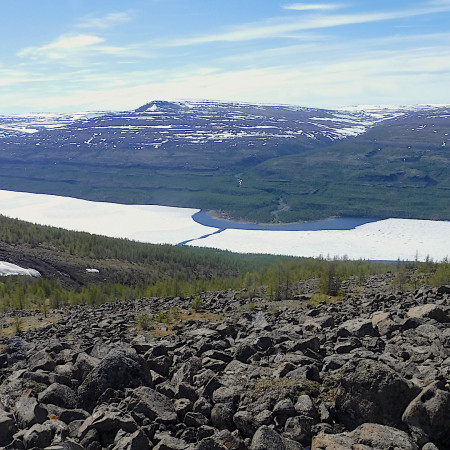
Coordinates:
x,y
108,21
61,47
76,50
283,26
312,6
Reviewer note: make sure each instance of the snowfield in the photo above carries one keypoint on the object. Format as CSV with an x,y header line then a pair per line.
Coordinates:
x,y
7,269
388,239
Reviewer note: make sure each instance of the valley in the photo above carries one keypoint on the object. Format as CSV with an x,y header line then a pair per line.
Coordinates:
x,y
240,159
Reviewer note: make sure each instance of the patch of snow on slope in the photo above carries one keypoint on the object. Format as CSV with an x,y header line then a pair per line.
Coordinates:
x,y
8,269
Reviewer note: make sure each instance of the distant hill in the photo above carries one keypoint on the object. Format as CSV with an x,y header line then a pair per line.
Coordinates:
x,y
252,162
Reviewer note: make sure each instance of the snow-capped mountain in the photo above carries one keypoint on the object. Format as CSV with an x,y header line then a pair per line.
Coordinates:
x,y
160,123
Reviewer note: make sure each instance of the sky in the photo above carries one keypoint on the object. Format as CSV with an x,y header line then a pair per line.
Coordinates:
x,y
78,55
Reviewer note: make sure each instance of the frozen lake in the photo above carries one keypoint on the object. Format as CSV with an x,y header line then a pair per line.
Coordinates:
x,y
387,239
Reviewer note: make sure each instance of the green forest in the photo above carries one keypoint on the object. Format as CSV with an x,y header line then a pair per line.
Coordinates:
x,y
183,271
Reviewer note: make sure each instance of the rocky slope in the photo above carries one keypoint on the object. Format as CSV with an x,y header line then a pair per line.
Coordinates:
x,y
370,372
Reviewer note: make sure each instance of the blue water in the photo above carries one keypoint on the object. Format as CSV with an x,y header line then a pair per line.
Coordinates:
x,y
342,223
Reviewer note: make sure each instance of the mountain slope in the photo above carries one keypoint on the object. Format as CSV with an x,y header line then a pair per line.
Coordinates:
x,y
255,162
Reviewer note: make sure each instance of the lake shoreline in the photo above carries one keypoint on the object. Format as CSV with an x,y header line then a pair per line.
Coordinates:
x,y
213,219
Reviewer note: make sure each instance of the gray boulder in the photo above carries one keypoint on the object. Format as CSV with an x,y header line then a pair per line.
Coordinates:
x,y
371,391
429,311
428,415
152,404
120,369
59,395
369,436
28,412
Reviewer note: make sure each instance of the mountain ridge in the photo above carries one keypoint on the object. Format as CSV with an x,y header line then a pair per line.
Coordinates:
x,y
240,158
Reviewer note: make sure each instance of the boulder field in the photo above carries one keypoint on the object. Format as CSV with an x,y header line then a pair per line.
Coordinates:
x,y
371,371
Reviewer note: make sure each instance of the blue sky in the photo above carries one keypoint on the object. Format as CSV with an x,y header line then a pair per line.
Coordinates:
x,y
77,55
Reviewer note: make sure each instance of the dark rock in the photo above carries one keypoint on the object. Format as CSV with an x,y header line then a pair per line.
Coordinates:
x,y
357,328
244,351
428,415
299,429
171,443
246,423
59,395
182,406
444,289
66,415
7,428
222,416
202,405
131,441
195,419
266,438
210,443
152,404
105,420
283,410
372,392
305,406
120,369
39,435
161,364
183,390
41,360
225,395
84,364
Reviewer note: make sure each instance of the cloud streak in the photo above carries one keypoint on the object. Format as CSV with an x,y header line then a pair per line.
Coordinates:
x,y
108,21
283,26
312,6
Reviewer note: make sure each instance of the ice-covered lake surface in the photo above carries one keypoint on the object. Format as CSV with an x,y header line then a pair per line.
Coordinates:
x,y
387,239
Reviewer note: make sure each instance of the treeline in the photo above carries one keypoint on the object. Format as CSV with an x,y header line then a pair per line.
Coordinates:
x,y
187,271
167,260
277,282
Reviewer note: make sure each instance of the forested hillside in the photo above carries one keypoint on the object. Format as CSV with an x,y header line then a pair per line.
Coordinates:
x,y
82,268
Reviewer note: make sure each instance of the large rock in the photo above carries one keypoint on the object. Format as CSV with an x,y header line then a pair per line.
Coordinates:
x,y
83,365
266,438
131,441
7,428
41,360
39,435
28,412
369,436
152,404
429,311
120,369
357,328
107,420
372,392
59,395
428,415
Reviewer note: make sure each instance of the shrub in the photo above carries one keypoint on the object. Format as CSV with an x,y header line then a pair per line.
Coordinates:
x,y
197,304
144,321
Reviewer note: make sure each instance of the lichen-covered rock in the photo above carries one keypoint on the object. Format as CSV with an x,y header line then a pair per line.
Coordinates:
x,y
369,436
